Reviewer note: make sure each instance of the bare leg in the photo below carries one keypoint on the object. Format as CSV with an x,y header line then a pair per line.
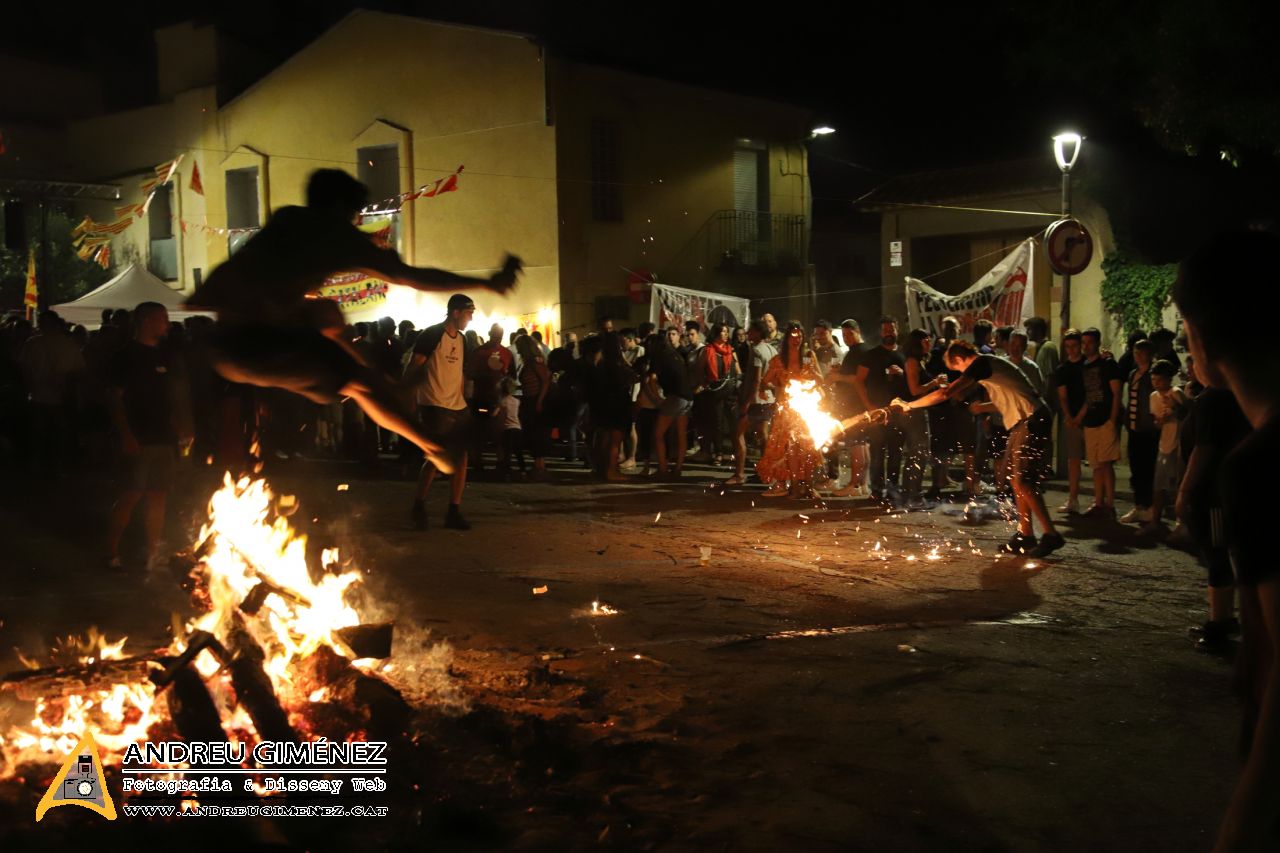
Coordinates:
x,y
740,450
153,519
1107,483
1031,504
611,471
682,442
1073,479
426,475
1222,603
459,481
386,412
119,521
660,441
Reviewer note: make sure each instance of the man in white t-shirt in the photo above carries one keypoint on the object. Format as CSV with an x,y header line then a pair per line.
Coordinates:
x,y
437,371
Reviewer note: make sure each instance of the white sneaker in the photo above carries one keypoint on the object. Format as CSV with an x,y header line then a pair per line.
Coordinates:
x,y
1136,515
1071,507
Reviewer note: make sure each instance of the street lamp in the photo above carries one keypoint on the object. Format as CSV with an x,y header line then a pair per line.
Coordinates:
x,y
1066,149
821,130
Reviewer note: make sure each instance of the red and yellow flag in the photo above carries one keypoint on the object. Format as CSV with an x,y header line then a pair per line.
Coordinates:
x,y
31,298
197,186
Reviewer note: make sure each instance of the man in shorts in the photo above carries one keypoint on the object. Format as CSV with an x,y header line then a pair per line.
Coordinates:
x,y
1100,420
1025,454
756,407
437,370
1070,390
144,410
265,336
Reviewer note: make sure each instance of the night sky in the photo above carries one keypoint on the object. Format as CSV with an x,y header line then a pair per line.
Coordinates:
x,y
909,86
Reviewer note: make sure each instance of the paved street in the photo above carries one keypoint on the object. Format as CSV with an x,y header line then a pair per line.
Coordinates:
x,y
820,677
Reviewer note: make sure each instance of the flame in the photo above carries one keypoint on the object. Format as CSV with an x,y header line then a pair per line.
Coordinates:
x,y
245,545
245,548
804,398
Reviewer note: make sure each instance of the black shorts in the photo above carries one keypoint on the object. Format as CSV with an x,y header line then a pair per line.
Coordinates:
x,y
1026,450
294,358
450,428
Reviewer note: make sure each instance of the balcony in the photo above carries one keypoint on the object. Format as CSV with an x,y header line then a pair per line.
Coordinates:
x,y
754,241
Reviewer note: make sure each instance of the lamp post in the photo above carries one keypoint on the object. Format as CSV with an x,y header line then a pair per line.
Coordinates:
x,y
817,132
1066,148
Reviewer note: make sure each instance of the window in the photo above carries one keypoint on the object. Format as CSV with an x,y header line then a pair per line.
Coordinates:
x,y
242,205
606,175
378,167
163,256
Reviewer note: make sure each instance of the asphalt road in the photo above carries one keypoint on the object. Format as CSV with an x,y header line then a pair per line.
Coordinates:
x,y
779,675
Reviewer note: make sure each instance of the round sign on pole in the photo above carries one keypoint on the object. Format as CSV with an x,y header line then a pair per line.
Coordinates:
x,y
1069,246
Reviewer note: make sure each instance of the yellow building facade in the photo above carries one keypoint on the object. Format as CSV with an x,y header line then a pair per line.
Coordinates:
x,y
402,103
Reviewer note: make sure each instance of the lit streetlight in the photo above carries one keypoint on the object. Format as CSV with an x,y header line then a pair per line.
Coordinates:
x,y
1066,150
821,130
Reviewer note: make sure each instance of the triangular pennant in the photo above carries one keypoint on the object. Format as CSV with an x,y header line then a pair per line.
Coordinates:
x,y
196,185
80,783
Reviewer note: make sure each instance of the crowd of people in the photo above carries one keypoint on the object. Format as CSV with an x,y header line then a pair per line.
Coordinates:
x,y
642,401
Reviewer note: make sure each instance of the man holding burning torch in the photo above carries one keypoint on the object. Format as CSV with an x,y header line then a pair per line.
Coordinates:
x,y
1029,423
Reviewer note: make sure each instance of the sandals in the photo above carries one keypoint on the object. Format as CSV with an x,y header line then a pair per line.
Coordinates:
x,y
735,480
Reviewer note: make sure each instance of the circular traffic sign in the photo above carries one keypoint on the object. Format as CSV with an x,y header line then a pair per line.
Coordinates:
x,y
1069,246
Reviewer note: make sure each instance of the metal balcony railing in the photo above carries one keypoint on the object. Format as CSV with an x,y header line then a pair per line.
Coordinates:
x,y
757,240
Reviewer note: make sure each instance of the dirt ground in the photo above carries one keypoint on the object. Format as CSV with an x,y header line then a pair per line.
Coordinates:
x,y
820,677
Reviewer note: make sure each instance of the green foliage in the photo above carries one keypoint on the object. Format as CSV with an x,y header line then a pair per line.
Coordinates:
x,y
65,277
1136,294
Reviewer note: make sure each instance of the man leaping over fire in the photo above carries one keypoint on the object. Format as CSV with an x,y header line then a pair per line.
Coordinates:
x,y
1028,422
267,335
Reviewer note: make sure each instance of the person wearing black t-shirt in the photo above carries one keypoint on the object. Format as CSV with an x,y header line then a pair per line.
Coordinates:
x,y
1069,386
1100,419
1233,269
882,378
143,401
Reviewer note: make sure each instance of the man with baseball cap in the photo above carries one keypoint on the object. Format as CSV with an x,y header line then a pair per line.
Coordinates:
x,y
437,370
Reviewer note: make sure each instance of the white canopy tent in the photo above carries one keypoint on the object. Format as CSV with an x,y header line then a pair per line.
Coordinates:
x,y
133,285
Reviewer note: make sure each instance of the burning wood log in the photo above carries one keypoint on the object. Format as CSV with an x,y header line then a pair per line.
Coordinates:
x,y
371,640
196,643
253,686
370,703
258,595
60,680
191,708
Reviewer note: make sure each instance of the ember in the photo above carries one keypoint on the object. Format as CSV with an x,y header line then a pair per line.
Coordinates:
x,y
274,654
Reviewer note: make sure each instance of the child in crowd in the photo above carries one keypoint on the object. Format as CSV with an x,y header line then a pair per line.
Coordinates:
x,y
508,410
1168,406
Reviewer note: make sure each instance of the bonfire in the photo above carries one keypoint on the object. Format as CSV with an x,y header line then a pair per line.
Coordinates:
x,y
277,651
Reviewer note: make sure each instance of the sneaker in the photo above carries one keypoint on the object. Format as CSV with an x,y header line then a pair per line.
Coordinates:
x,y
1098,511
453,519
1136,515
1212,630
418,515
1049,543
1152,528
1071,507
1019,544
